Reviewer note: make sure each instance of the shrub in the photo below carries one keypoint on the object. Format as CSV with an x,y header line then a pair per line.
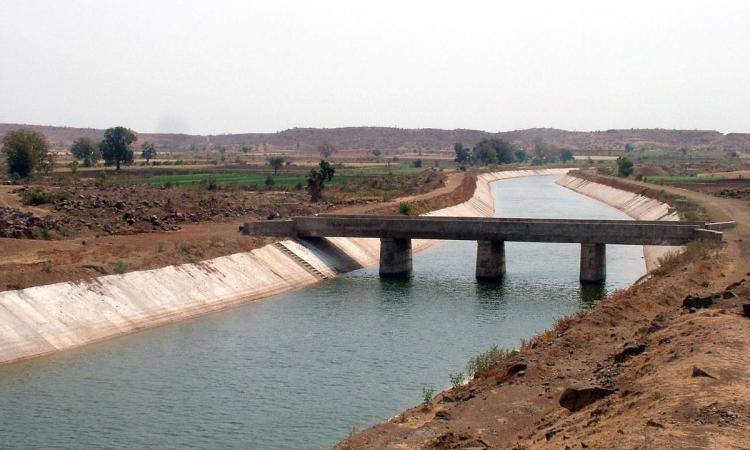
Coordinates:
x,y
120,267
457,378
404,208
210,183
102,180
428,392
490,359
40,197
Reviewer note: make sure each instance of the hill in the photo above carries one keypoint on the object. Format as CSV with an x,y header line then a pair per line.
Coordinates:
x,y
398,140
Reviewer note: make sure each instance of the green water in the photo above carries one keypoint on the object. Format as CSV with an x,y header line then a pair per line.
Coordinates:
x,y
300,370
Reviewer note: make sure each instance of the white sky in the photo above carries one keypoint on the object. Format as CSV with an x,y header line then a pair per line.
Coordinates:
x,y
238,66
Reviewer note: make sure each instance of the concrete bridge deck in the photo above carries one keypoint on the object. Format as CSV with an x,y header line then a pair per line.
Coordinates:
x,y
396,233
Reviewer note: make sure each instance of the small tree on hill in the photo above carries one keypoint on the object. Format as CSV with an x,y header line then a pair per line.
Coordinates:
x,y
566,155
317,179
463,155
148,151
376,153
326,150
503,151
26,151
115,146
484,154
624,167
277,162
521,155
85,150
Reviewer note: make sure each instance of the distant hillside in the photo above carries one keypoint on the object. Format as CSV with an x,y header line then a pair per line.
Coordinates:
x,y
396,140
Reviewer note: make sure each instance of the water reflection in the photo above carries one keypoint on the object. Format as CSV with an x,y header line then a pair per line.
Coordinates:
x,y
490,295
591,293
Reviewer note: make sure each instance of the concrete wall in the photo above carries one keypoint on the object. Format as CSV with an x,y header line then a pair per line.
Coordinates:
x,y
637,206
44,319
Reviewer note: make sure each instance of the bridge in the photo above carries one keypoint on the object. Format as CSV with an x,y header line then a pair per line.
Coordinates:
x,y
396,233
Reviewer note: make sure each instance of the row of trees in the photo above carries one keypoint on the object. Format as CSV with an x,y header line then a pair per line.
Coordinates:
x,y
28,150
499,151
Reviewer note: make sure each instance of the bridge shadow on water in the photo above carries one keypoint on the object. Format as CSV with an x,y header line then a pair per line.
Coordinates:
x,y
488,294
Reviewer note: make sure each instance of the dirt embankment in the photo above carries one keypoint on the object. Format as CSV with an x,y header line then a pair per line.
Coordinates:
x,y
639,370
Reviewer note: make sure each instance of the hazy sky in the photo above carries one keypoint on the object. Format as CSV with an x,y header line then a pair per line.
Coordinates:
x,y
236,66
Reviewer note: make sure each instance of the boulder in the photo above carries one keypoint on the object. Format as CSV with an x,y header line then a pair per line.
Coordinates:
x,y
574,399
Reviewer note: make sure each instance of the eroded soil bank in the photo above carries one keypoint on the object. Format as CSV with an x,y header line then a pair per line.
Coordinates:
x,y
639,370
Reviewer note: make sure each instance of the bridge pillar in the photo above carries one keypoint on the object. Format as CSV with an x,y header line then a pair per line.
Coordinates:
x,y
395,256
490,260
593,263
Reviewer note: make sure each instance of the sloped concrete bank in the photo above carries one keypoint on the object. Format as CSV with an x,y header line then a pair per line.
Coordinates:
x,y
638,207
44,319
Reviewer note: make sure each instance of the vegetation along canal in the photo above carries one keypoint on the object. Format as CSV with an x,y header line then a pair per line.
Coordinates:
x,y
301,370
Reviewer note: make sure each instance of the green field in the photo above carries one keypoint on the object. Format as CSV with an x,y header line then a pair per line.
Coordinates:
x,y
693,153
683,179
288,177
236,179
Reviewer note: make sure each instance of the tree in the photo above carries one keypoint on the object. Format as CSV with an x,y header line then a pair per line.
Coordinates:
x,y
566,155
317,178
502,149
417,163
277,162
484,154
624,167
85,150
629,147
376,153
521,155
115,147
326,150
463,156
26,151
544,153
269,181
148,151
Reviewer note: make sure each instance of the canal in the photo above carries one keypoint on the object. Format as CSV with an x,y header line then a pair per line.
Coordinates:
x,y
301,370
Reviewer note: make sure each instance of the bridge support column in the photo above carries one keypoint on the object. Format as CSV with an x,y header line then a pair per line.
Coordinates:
x,y
593,263
395,256
490,260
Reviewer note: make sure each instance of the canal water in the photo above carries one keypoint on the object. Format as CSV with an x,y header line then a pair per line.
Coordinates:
x,y
302,370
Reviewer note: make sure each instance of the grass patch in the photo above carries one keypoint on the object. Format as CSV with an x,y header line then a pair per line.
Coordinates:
x,y
694,251
492,358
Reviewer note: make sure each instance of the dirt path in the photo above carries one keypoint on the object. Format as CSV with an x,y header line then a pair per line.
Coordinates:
x,y
669,378
721,209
